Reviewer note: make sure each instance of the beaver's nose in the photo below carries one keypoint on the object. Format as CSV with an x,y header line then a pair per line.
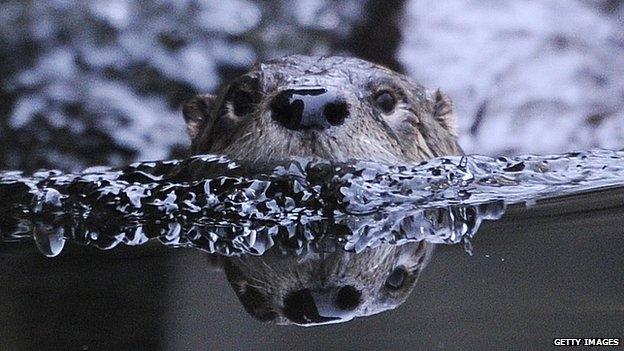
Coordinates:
x,y
307,306
309,108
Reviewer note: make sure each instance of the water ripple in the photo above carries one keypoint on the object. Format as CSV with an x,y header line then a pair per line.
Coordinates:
x,y
229,207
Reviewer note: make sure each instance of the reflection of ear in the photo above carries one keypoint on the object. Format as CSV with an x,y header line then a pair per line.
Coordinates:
x,y
443,112
214,262
196,113
256,303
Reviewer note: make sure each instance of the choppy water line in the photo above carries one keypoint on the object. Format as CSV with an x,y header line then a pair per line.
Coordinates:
x,y
224,206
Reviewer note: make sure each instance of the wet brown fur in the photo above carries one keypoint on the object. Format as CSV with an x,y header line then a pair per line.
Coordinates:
x,y
421,126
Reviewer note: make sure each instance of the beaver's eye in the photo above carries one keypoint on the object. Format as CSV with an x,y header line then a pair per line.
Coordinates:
x,y
242,102
396,279
385,101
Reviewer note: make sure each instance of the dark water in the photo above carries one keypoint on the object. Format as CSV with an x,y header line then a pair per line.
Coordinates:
x,y
546,261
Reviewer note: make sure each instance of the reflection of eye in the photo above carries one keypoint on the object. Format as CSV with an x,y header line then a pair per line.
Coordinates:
x,y
242,102
253,297
385,101
256,304
396,278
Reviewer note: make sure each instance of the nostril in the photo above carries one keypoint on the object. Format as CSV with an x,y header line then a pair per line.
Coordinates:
x,y
309,109
348,298
336,112
287,111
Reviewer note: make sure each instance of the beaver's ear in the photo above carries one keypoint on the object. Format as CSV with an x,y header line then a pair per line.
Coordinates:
x,y
215,262
443,112
196,113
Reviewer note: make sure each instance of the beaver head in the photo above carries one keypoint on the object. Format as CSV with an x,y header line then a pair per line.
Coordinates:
x,y
327,287
338,109
335,108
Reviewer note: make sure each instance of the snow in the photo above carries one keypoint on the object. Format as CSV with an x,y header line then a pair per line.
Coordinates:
x,y
111,76
542,69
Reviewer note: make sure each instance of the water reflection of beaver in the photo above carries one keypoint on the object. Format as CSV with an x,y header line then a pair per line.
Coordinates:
x,y
338,109
327,287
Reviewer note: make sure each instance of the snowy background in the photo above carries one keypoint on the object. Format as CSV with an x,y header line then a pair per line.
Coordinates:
x,y
527,76
91,82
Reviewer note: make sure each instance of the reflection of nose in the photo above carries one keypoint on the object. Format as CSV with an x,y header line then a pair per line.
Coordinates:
x,y
307,306
309,108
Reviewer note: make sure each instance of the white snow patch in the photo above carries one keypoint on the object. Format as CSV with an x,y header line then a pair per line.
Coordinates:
x,y
540,67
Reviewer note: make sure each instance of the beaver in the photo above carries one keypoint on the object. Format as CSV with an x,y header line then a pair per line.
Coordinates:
x,y
338,109
335,108
326,287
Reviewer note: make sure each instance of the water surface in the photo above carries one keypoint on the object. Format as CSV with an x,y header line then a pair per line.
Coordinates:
x,y
526,250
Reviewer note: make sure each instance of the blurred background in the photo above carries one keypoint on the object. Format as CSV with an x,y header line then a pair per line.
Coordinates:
x,y
86,82
101,83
